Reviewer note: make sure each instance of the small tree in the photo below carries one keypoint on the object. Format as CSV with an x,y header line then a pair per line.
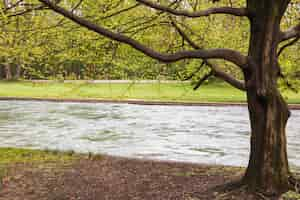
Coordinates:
x,y
268,167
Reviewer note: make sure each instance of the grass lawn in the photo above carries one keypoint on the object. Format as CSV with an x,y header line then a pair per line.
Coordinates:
x,y
11,156
217,92
16,155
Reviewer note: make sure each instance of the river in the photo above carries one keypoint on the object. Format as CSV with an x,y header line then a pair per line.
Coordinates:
x,y
200,134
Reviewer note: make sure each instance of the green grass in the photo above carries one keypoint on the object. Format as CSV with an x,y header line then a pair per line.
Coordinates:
x,y
217,92
9,156
15,155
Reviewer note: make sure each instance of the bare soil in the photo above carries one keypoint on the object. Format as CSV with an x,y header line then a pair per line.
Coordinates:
x,y
114,178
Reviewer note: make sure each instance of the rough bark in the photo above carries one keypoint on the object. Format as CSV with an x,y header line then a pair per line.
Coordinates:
x,y
268,167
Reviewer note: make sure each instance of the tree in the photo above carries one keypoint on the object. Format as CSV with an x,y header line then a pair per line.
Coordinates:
x,y
17,45
268,167
56,49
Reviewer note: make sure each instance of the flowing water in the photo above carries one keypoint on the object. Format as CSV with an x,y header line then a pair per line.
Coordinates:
x,y
213,135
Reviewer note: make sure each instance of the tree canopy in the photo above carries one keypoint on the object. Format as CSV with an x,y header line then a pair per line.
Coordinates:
x,y
57,48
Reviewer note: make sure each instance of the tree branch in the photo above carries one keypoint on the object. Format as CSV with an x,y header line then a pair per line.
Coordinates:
x,y
291,33
26,11
202,13
120,11
287,45
226,54
215,69
7,7
184,36
194,73
204,78
226,77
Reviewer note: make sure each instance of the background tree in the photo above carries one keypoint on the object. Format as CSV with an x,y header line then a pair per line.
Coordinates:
x,y
57,49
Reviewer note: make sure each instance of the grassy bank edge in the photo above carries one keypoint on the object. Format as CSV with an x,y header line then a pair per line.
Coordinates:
x,y
119,92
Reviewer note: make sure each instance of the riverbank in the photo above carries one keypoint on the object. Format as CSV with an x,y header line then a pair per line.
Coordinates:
x,y
115,178
146,93
48,175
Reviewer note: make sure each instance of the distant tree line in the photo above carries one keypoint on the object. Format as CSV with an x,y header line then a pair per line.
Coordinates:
x,y
34,48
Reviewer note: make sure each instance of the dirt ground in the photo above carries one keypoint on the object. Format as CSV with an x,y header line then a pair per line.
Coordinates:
x,y
112,178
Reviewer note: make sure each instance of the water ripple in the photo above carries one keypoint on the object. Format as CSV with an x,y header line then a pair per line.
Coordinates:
x,y
214,135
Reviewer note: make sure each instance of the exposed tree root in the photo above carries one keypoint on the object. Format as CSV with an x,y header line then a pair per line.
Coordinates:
x,y
230,190
231,186
294,183
235,189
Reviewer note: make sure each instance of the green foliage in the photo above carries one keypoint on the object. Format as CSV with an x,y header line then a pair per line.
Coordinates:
x,y
47,46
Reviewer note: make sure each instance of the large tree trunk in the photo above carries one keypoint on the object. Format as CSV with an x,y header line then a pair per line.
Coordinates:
x,y
268,167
